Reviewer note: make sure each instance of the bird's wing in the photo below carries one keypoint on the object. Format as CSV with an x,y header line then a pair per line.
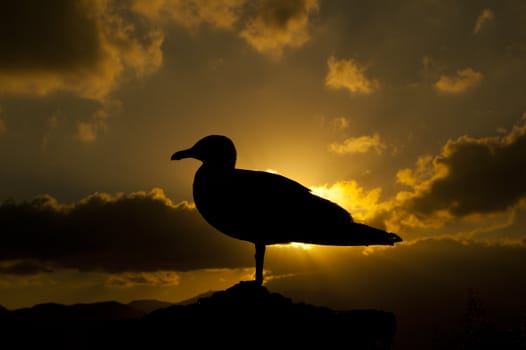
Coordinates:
x,y
282,210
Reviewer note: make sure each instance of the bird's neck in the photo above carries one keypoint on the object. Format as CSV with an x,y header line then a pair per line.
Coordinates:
x,y
211,187
218,166
211,178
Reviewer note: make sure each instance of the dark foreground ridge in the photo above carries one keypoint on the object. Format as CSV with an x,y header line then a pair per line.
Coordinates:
x,y
243,312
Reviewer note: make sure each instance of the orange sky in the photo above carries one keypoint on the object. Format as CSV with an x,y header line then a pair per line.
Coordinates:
x,y
410,114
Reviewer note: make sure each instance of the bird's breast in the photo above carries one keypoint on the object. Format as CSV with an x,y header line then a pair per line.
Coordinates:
x,y
215,199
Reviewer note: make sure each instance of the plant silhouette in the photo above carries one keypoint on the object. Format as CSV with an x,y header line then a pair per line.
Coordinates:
x,y
266,208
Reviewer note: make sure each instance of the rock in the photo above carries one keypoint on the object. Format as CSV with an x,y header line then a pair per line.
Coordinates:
x,y
245,315
251,311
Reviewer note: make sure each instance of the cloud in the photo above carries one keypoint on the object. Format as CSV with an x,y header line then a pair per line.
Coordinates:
x,y
88,130
339,123
278,25
136,232
131,279
83,48
473,179
191,14
361,144
466,262
485,17
477,175
349,75
23,268
275,25
362,204
462,81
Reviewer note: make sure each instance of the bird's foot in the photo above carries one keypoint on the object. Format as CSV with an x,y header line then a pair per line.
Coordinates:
x,y
254,283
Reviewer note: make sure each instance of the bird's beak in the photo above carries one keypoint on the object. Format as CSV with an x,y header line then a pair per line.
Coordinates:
x,y
187,153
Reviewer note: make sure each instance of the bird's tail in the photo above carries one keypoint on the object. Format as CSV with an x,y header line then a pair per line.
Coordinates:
x,y
365,235
375,236
393,238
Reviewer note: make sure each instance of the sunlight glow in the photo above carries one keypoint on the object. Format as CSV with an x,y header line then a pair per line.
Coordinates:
x,y
362,204
304,246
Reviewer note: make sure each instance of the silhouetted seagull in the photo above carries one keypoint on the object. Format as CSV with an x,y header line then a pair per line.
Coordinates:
x,y
266,208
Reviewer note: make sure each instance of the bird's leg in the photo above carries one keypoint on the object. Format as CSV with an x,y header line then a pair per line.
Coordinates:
x,y
260,257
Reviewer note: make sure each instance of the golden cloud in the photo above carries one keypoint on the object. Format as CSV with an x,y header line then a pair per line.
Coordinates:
x,y
362,204
278,25
191,13
483,19
361,144
340,123
87,131
87,51
472,179
349,75
462,81
131,279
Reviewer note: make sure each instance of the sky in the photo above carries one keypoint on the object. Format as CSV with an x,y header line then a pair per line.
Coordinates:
x,y
410,114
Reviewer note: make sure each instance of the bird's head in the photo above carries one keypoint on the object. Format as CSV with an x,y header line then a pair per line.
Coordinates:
x,y
214,150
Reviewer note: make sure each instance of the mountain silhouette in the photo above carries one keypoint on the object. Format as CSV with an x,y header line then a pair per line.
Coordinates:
x,y
244,315
196,298
266,208
5,314
93,312
250,310
148,305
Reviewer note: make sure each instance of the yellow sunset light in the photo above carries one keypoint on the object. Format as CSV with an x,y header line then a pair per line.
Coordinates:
x,y
304,246
361,203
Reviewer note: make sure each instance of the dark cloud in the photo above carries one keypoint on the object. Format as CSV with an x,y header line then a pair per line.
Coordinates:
x,y
76,46
278,13
278,25
54,35
484,175
423,269
475,186
191,14
24,267
134,232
